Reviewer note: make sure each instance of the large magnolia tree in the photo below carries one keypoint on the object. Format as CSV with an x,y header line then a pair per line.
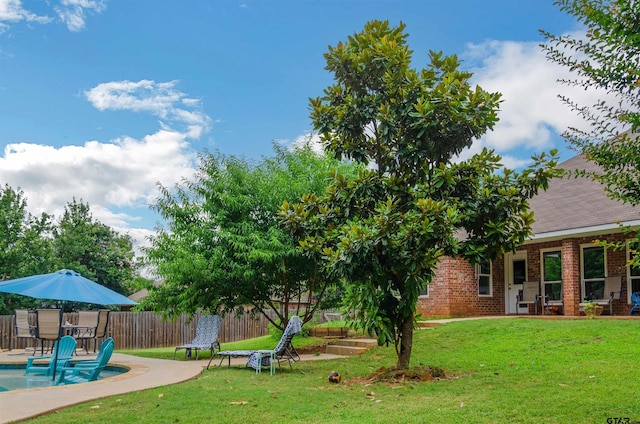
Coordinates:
x,y
383,232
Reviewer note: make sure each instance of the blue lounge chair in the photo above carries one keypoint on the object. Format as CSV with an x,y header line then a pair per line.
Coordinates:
x,y
635,304
206,337
87,370
66,348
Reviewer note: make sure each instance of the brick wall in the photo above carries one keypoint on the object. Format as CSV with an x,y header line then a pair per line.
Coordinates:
x,y
454,292
454,289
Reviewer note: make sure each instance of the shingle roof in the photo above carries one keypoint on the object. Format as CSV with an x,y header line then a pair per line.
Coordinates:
x,y
577,203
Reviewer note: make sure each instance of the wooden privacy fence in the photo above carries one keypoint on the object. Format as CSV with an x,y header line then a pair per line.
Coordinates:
x,y
143,330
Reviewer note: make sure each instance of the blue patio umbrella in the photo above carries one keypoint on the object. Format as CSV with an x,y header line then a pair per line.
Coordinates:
x,y
64,285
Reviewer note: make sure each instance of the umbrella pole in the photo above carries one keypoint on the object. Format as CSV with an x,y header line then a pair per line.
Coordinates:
x,y
57,346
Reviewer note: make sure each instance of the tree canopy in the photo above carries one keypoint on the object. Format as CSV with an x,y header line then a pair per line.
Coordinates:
x,y
222,250
25,240
25,243
384,231
31,245
93,249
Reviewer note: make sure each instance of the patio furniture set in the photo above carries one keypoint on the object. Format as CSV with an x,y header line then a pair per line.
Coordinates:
x,y
534,293
45,326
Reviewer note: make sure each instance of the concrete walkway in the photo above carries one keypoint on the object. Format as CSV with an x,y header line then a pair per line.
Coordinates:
x,y
145,373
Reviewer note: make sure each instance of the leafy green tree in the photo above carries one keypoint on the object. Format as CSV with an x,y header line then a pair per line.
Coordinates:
x,y
222,250
384,231
608,59
25,243
93,249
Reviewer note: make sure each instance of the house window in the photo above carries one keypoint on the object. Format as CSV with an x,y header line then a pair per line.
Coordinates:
x,y
483,272
634,271
424,292
519,271
593,272
552,275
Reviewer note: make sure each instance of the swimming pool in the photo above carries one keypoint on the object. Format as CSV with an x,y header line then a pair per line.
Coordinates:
x,y
12,377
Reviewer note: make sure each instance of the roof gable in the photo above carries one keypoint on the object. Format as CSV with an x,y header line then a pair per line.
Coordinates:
x,y
577,203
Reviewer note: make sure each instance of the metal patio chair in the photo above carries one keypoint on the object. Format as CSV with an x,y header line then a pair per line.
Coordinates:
x,y
284,350
206,337
48,326
23,329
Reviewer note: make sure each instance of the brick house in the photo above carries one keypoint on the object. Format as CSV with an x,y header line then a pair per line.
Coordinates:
x,y
561,257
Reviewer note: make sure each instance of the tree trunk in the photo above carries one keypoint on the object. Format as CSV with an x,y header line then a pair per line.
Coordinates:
x,y
406,343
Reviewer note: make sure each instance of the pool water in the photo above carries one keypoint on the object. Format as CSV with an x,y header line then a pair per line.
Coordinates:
x,y
12,377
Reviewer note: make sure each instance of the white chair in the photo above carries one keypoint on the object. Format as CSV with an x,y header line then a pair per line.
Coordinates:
x,y
530,294
612,291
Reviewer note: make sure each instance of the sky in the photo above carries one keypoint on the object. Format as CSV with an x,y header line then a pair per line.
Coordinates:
x,y
102,100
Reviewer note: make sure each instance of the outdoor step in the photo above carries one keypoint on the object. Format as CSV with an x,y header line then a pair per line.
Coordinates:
x,y
345,350
350,346
366,343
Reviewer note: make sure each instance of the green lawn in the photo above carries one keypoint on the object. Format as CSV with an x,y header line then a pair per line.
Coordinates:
x,y
502,371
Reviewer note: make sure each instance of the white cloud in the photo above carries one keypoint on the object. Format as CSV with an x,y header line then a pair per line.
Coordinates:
x,y
312,139
74,12
11,12
161,99
120,174
139,235
531,112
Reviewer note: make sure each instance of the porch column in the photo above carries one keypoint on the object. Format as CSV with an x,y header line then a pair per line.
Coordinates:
x,y
571,276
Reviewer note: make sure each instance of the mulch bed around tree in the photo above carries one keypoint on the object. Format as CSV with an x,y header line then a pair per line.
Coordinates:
x,y
415,374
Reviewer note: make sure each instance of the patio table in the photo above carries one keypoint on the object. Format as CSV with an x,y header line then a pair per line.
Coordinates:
x,y
77,330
